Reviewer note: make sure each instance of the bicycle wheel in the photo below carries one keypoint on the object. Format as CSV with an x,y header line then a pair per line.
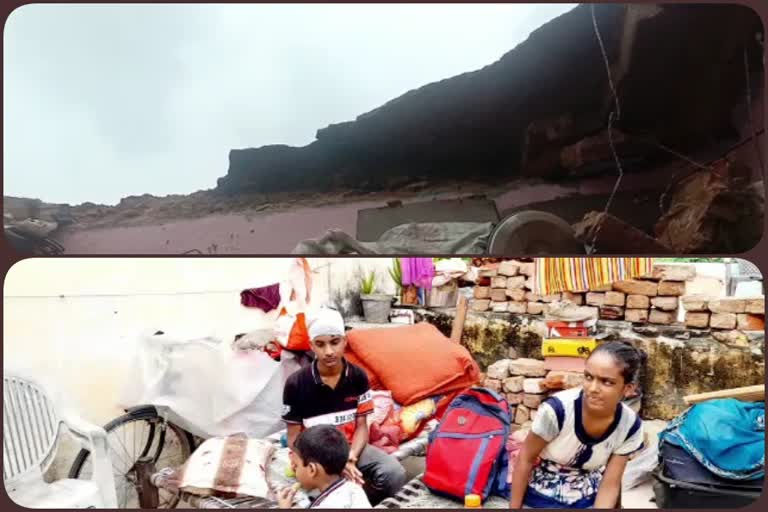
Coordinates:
x,y
137,434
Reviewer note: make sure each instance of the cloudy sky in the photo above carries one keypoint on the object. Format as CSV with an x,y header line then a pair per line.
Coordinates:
x,y
105,101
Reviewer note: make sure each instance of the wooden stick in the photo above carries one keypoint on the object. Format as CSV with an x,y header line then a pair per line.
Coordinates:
x,y
458,320
747,394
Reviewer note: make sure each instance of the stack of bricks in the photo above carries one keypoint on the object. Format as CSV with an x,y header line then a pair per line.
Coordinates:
x,y
728,317
506,287
653,298
526,384
639,301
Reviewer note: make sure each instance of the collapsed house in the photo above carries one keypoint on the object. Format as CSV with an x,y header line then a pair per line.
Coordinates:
x,y
680,86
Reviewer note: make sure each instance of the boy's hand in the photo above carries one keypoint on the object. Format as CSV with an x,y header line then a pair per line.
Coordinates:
x,y
353,474
285,497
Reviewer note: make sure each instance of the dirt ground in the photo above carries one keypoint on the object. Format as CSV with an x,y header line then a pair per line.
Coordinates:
x,y
207,223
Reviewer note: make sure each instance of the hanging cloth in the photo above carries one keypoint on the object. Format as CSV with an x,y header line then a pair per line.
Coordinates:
x,y
266,298
555,275
418,272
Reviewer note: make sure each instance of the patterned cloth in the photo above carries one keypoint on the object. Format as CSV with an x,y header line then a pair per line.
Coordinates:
x,y
168,479
555,275
232,466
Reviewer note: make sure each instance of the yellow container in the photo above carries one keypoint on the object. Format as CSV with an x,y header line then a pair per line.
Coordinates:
x,y
568,347
472,501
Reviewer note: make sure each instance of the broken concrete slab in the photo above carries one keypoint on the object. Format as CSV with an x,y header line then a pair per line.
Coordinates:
x,y
616,236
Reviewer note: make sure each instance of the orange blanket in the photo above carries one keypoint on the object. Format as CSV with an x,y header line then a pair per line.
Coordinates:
x,y
413,361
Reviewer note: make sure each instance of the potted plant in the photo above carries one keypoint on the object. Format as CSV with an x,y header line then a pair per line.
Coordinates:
x,y
396,273
376,306
409,294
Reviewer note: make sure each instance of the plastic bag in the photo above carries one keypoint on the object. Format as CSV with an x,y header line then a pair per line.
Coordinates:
x,y
206,387
639,469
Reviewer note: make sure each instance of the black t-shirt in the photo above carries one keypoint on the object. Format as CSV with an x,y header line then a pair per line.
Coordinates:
x,y
308,401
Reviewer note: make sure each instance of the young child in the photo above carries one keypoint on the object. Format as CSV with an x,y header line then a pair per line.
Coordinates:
x,y
318,458
583,437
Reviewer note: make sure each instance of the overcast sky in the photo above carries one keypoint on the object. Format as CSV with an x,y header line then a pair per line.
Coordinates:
x,y
105,101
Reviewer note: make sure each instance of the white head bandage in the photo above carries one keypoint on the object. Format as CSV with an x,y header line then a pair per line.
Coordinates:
x,y
327,322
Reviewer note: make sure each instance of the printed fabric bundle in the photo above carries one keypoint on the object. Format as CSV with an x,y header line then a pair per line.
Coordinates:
x,y
556,275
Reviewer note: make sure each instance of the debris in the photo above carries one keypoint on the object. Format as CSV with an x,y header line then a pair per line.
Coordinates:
x,y
616,236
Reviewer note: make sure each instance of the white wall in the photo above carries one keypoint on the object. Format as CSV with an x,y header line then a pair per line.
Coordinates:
x,y
74,320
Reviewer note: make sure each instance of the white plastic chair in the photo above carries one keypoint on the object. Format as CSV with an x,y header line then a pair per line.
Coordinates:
x,y
31,425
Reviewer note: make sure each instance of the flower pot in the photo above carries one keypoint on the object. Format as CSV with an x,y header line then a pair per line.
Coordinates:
x,y
376,308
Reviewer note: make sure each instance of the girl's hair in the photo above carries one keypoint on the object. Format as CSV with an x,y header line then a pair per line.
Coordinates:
x,y
627,355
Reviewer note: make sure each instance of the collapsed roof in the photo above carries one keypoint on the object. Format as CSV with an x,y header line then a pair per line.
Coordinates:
x,y
679,72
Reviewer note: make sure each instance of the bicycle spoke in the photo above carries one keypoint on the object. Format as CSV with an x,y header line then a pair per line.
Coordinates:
x,y
169,449
128,463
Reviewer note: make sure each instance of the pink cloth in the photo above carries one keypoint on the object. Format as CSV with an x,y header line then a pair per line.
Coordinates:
x,y
385,437
417,271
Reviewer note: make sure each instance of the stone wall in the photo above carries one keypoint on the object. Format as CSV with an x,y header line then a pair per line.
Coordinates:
x,y
681,360
653,298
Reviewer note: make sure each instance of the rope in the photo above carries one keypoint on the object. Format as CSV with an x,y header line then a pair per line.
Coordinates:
x,y
591,247
615,115
605,60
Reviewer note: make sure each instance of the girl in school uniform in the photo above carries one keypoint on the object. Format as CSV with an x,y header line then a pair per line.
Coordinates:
x,y
580,441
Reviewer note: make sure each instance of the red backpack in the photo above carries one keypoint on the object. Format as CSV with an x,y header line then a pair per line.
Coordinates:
x,y
467,451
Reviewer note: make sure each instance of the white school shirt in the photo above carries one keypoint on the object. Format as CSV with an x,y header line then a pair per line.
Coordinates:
x,y
572,462
342,494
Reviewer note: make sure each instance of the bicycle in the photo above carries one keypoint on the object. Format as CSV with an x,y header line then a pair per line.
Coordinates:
x,y
149,430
